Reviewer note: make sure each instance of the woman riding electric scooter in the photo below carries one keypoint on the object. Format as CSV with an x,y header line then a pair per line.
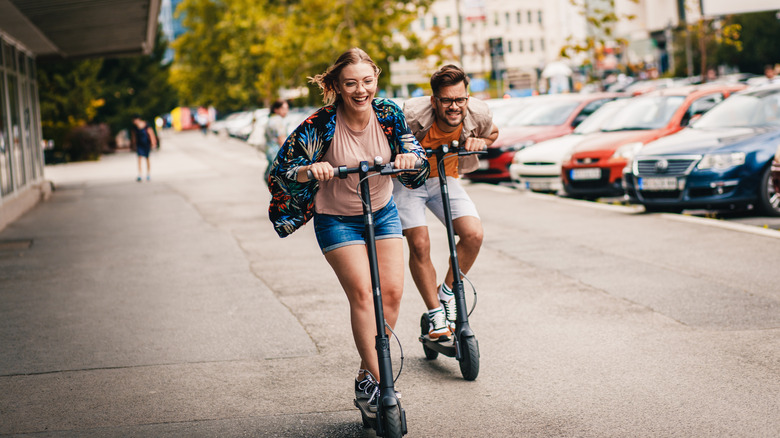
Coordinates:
x,y
353,127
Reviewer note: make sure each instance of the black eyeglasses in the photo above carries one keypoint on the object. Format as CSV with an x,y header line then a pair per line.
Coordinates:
x,y
460,101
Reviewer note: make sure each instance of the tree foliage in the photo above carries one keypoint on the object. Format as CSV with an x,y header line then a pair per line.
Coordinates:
x,y
601,18
75,93
241,53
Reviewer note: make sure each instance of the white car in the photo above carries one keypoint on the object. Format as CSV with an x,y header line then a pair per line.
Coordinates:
x,y
538,167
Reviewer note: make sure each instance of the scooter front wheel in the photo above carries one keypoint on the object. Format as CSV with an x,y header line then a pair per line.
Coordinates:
x,y
392,422
429,354
469,361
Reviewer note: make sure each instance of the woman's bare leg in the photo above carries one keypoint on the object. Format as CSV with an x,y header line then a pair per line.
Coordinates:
x,y
350,263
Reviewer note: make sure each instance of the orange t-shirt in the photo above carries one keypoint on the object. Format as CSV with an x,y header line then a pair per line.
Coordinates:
x,y
433,140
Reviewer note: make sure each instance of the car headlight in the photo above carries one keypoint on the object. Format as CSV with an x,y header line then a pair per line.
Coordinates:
x,y
722,161
628,150
516,146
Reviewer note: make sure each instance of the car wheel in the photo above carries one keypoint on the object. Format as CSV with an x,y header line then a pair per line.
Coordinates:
x,y
768,198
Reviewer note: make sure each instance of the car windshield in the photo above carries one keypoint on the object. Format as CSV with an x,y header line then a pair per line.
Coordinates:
x,y
652,112
754,109
600,117
544,113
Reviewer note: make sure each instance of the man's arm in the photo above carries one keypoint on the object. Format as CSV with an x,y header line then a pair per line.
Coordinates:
x,y
478,143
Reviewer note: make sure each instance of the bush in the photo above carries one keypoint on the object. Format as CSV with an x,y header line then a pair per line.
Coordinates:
x,y
82,143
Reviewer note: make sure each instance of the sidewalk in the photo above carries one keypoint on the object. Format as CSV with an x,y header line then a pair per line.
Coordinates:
x,y
121,303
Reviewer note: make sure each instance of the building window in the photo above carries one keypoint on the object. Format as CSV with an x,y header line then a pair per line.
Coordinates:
x,y
520,46
435,21
530,18
422,23
447,21
530,45
495,18
519,17
541,44
540,17
509,46
508,20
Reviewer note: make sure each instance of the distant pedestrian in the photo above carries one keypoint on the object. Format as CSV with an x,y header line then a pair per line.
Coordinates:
x,y
275,132
771,74
143,139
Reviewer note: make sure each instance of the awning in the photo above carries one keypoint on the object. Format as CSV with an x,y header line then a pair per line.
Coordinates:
x,y
81,28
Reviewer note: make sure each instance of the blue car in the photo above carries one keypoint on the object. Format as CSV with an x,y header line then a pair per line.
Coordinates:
x,y
721,161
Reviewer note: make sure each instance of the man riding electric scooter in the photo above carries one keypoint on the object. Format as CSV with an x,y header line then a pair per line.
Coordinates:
x,y
449,115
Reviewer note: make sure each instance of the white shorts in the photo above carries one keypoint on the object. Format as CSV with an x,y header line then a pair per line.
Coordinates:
x,y
412,202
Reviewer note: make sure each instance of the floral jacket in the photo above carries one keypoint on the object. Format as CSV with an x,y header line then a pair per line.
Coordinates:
x,y
292,203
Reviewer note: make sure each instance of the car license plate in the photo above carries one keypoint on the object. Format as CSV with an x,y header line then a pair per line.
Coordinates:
x,y
667,183
484,164
586,173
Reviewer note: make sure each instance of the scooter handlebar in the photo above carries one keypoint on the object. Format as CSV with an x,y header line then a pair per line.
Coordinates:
x,y
382,169
453,148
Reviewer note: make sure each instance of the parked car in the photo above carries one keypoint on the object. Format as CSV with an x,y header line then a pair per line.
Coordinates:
x,y
595,166
535,119
538,167
723,161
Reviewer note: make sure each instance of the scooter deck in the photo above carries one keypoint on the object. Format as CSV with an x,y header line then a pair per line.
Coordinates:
x,y
362,404
446,348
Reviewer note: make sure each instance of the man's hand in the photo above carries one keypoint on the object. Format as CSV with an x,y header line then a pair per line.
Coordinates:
x,y
474,144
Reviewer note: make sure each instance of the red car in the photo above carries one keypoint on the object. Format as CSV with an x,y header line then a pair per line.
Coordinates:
x,y
595,167
536,119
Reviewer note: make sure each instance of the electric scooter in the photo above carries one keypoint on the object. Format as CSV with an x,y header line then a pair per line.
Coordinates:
x,y
463,344
390,418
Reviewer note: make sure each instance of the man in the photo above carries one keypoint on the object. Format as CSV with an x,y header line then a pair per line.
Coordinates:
x,y
275,132
446,116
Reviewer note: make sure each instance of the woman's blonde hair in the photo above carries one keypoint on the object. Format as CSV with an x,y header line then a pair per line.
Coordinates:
x,y
328,81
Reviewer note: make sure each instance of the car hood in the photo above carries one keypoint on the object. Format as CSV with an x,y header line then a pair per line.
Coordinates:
x,y
517,134
549,151
606,143
701,141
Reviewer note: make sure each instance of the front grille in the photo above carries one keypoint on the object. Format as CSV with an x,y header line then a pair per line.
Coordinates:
x,y
587,160
538,163
675,166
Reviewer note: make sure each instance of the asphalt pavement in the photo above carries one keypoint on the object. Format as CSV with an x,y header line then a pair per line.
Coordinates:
x,y
170,308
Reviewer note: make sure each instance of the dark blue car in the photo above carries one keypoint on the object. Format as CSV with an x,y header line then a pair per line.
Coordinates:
x,y
722,161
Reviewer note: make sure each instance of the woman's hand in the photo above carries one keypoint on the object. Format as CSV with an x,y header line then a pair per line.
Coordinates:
x,y
405,161
321,171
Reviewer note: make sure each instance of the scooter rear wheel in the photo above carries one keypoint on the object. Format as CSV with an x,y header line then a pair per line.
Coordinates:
x,y
469,362
392,422
429,354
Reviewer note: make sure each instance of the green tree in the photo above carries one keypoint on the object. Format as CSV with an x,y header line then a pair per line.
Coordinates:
x,y
70,96
760,36
240,53
79,96
135,85
600,18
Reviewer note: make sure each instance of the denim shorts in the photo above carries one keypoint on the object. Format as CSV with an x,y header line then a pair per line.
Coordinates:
x,y
337,231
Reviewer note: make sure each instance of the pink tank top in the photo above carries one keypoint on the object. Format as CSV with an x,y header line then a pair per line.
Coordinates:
x,y
340,197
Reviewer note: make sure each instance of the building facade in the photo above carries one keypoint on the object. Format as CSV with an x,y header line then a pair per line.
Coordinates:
x,y
517,39
21,152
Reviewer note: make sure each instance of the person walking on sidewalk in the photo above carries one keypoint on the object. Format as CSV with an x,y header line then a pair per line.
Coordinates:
x,y
143,138
353,126
275,132
446,116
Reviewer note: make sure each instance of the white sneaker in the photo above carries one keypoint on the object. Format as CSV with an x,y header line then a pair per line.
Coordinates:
x,y
437,327
447,300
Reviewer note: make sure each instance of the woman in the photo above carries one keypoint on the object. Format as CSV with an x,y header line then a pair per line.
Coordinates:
x,y
352,127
